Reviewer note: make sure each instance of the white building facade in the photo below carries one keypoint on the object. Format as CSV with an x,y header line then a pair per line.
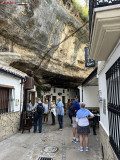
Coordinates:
x,y
89,95
110,98
105,49
62,93
89,91
11,100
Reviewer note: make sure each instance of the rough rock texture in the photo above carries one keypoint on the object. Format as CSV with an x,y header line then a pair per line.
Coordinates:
x,y
107,151
29,38
9,124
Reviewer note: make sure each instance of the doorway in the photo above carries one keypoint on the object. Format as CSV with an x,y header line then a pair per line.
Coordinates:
x,y
63,101
4,99
54,99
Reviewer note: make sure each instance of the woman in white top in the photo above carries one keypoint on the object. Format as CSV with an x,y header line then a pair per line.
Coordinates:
x,y
83,125
46,110
53,112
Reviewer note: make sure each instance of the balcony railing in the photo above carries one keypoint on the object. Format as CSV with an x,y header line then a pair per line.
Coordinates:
x,y
99,3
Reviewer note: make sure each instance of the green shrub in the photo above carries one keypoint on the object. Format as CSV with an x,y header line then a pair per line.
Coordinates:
x,y
42,88
83,11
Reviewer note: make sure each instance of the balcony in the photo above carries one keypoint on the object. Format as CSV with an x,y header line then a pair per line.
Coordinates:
x,y
104,25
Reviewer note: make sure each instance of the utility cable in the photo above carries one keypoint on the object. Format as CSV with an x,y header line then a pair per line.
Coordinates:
x,y
72,34
60,43
49,49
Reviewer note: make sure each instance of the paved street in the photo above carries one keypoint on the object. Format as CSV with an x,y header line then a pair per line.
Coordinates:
x,y
29,146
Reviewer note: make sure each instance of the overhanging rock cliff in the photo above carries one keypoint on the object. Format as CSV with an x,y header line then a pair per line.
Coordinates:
x,y
29,36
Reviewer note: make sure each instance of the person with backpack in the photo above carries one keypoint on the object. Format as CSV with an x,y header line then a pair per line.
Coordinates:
x,y
73,108
69,111
38,115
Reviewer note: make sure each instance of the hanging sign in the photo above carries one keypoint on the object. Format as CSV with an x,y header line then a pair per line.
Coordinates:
x,y
88,62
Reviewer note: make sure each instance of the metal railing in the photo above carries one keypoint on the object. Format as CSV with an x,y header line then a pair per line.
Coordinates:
x,y
99,3
113,98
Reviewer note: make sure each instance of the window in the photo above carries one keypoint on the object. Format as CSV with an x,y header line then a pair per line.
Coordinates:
x,y
11,100
63,91
6,100
113,98
54,90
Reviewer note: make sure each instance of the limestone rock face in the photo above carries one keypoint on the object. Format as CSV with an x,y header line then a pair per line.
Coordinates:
x,y
30,38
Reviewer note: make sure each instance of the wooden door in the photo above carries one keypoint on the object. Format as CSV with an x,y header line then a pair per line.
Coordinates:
x,y
63,100
4,98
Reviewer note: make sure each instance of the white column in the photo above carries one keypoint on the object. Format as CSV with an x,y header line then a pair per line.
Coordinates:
x,y
80,91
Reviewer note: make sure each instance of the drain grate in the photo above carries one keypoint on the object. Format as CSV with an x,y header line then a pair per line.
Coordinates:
x,y
45,158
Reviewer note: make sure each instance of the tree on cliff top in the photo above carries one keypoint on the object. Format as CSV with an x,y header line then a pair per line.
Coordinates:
x,y
81,6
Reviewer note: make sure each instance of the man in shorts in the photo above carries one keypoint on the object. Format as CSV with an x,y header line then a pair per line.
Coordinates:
x,y
77,107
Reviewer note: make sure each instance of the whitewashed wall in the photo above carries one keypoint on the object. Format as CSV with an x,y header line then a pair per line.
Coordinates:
x,y
7,79
103,88
90,96
68,94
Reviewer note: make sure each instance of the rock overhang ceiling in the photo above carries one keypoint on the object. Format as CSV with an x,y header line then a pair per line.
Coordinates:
x,y
29,34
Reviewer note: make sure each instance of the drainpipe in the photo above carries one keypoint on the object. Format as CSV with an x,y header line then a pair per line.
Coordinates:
x,y
21,98
22,81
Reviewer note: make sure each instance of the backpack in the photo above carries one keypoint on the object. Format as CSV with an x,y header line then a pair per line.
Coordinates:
x,y
40,108
72,109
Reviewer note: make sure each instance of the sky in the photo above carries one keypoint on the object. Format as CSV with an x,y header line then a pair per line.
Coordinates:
x,y
82,2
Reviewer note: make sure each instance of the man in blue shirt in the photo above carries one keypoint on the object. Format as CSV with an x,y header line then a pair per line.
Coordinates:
x,y
60,113
77,107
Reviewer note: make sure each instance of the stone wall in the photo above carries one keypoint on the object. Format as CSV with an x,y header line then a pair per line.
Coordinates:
x,y
9,124
107,149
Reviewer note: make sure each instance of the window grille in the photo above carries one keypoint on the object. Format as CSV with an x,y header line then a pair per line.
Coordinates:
x,y
113,98
11,100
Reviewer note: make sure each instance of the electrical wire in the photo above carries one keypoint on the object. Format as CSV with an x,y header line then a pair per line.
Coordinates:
x,y
61,43
49,49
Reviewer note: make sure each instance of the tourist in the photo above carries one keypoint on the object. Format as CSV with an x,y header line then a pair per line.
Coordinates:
x,y
29,112
29,109
73,108
83,125
53,112
60,113
68,103
46,110
38,115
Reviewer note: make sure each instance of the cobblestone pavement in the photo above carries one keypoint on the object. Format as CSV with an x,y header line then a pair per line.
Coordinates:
x,y
29,146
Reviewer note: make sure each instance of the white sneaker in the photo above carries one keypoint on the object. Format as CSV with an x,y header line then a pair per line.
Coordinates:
x,y
81,149
74,140
60,129
77,140
87,149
